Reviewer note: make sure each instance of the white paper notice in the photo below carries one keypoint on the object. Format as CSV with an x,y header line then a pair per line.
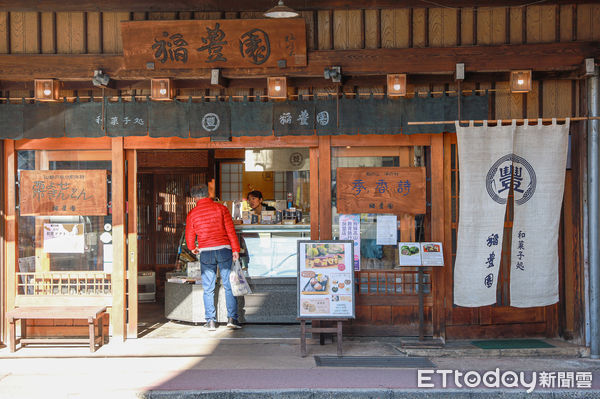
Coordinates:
x,y
387,229
64,238
432,254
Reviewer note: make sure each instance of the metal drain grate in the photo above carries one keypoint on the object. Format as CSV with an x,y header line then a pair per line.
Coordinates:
x,y
373,361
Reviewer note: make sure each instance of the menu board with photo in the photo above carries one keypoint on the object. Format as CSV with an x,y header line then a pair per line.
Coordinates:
x,y
325,279
420,254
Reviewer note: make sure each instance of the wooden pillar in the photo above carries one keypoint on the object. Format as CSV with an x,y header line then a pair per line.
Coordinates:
x,y
132,250
119,274
11,226
2,243
437,234
325,188
314,193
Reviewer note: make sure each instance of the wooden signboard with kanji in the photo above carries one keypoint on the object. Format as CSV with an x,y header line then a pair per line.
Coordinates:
x,y
381,190
246,43
63,192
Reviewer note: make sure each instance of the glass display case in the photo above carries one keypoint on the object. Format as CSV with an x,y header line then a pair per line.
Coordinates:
x,y
270,250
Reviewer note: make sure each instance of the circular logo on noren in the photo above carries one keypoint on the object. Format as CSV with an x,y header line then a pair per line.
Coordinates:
x,y
210,122
511,172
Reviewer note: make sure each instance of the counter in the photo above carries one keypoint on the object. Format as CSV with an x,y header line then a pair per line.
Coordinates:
x,y
270,255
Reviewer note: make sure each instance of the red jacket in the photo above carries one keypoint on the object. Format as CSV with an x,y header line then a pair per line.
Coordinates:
x,y
211,223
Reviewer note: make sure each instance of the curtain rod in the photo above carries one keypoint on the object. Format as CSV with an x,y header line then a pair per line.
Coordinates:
x,y
573,118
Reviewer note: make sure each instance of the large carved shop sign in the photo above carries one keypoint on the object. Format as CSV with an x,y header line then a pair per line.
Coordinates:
x,y
213,43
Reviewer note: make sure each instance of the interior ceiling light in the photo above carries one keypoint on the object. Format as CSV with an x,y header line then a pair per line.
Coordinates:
x,y
281,11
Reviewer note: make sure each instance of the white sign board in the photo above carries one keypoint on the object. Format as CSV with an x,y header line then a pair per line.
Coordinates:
x,y
64,238
420,254
325,280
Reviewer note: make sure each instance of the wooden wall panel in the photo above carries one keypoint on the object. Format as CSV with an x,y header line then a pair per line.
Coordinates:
x,y
443,27
341,28
491,25
516,25
419,27
93,31
372,29
208,15
508,105
70,33
347,29
533,101
4,33
24,33
541,24
159,16
111,31
395,28
309,17
467,24
588,22
324,30
48,32
557,98
566,23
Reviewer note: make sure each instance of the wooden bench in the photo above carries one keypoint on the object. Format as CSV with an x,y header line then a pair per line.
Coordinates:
x,y
89,313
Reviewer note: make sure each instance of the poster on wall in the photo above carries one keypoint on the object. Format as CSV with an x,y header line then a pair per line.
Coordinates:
x,y
325,280
350,230
64,238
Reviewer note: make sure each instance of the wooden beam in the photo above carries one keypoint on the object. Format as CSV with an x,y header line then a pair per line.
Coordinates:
x,y
246,5
566,56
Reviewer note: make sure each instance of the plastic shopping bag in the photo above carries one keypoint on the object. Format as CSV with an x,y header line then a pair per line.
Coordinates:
x,y
239,284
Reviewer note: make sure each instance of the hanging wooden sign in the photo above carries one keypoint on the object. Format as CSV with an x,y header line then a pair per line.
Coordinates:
x,y
245,43
63,192
381,190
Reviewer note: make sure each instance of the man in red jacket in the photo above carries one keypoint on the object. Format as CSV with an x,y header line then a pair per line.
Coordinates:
x,y
210,224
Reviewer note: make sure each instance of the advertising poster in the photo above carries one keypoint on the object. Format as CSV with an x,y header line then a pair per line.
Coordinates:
x,y
350,230
409,253
325,279
432,254
64,238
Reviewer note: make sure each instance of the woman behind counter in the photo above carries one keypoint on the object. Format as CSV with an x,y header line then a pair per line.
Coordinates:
x,y
255,199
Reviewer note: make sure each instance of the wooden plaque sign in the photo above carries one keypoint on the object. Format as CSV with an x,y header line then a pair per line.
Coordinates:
x,y
381,190
63,192
245,43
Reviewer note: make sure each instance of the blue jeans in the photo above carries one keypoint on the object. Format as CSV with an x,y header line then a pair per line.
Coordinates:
x,y
209,261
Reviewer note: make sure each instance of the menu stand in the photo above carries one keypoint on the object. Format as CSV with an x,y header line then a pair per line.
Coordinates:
x,y
305,329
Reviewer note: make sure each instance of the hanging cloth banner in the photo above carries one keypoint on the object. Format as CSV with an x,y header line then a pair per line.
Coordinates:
x,y
481,215
294,118
538,184
169,119
251,118
505,158
126,118
11,121
83,119
43,120
224,119
210,119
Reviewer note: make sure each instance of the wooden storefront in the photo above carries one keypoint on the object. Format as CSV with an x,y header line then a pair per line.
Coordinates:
x,y
68,42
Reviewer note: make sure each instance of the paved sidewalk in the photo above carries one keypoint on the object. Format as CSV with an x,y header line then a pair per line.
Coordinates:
x,y
264,362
